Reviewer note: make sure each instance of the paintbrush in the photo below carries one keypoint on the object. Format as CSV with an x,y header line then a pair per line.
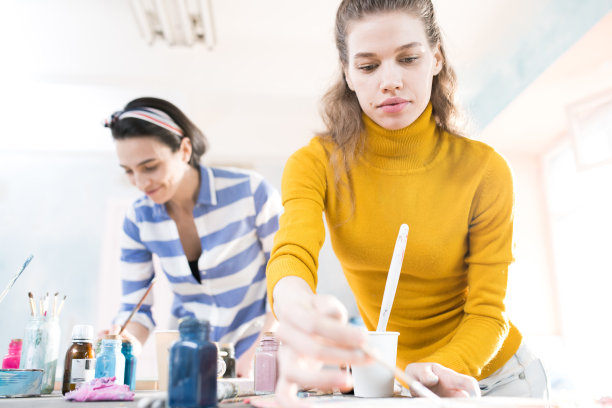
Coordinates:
x,y
32,306
55,304
403,378
12,282
59,309
137,307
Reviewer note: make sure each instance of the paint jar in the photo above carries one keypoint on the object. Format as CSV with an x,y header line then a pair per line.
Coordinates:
x,y
41,348
80,362
129,377
229,358
266,364
192,377
110,362
11,360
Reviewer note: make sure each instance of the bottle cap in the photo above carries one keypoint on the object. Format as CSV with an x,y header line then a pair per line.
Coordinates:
x,y
83,332
112,337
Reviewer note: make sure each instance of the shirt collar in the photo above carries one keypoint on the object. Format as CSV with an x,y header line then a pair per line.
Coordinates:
x,y
206,196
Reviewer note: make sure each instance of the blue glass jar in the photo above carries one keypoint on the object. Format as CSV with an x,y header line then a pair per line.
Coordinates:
x,y
110,362
192,377
129,377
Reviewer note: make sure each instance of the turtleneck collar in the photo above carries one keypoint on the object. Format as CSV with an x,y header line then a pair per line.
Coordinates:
x,y
409,148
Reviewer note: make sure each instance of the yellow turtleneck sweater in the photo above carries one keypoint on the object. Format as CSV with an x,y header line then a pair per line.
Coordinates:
x,y
456,195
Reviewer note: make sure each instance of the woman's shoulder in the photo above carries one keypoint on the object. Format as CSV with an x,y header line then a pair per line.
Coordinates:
x,y
318,150
473,151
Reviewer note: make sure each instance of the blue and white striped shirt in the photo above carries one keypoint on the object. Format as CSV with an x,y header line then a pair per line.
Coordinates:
x,y
236,216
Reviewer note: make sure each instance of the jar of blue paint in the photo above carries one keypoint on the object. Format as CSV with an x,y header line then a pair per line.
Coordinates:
x,y
192,377
110,362
129,377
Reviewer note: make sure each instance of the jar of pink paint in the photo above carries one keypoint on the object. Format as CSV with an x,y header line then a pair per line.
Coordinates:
x,y
266,364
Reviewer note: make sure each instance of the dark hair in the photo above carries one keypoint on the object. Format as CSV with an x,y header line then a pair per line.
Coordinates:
x,y
131,127
341,110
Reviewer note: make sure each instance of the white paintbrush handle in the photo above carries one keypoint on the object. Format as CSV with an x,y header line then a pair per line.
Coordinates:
x,y
393,278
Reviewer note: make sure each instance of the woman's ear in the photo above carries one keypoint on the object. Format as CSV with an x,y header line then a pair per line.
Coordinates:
x,y
439,60
186,149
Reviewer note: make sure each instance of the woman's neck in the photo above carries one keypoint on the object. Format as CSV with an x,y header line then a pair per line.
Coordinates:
x,y
187,194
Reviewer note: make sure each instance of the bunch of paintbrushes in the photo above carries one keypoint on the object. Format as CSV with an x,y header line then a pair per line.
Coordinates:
x,y
46,306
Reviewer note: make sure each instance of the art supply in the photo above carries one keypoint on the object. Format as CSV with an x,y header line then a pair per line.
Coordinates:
x,y
129,377
59,310
79,365
32,305
11,359
20,383
137,306
266,364
193,367
101,389
110,362
409,383
230,360
41,348
163,341
55,304
12,281
393,278
375,380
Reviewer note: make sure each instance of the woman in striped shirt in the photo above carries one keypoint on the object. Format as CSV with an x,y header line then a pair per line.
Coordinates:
x,y
211,229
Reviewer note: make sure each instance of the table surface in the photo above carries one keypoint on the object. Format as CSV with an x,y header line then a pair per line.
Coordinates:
x,y
56,399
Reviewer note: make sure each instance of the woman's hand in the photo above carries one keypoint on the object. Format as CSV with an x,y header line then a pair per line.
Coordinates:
x,y
135,333
443,381
313,330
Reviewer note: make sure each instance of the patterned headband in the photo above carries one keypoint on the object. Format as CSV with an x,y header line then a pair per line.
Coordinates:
x,y
150,115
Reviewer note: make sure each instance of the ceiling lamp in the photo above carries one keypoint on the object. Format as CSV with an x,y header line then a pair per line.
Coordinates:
x,y
177,22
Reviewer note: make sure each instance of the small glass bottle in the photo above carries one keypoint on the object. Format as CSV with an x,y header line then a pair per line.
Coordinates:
x,y
11,360
230,360
192,377
110,362
79,365
41,349
266,364
130,364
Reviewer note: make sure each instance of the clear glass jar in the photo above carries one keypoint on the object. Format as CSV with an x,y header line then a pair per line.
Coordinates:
x,y
41,349
266,364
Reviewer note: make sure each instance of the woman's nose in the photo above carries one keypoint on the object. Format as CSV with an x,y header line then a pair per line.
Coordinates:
x,y
391,79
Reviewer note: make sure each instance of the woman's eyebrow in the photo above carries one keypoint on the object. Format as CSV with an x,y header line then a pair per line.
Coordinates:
x,y
400,48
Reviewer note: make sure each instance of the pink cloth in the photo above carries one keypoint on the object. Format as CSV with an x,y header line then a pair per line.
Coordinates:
x,y
101,389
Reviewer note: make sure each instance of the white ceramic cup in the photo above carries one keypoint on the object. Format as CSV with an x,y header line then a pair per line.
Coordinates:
x,y
163,341
374,380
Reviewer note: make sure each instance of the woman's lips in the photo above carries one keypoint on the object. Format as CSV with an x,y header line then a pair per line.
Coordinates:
x,y
153,191
393,105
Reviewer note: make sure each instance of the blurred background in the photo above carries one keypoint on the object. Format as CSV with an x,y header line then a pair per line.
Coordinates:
x,y
535,80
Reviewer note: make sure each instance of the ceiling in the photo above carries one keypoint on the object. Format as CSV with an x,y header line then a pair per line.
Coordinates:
x,y
274,59
536,118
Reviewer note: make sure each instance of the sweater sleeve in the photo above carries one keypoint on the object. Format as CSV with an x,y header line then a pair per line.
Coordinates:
x,y
485,325
301,233
136,274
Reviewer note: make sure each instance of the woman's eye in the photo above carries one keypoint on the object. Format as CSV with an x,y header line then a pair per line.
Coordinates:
x,y
150,169
367,67
128,172
409,59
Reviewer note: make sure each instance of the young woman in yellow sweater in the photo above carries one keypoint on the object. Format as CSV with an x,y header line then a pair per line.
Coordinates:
x,y
391,156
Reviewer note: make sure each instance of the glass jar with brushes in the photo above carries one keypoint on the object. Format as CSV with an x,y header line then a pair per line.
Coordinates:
x,y
41,348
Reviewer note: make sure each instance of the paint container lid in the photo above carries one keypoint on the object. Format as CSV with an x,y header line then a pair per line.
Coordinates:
x,y
112,337
82,332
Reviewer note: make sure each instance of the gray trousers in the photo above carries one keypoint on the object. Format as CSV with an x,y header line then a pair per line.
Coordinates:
x,y
522,376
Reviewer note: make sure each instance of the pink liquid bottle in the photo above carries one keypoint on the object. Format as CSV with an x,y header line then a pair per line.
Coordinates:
x,y
266,364
12,359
